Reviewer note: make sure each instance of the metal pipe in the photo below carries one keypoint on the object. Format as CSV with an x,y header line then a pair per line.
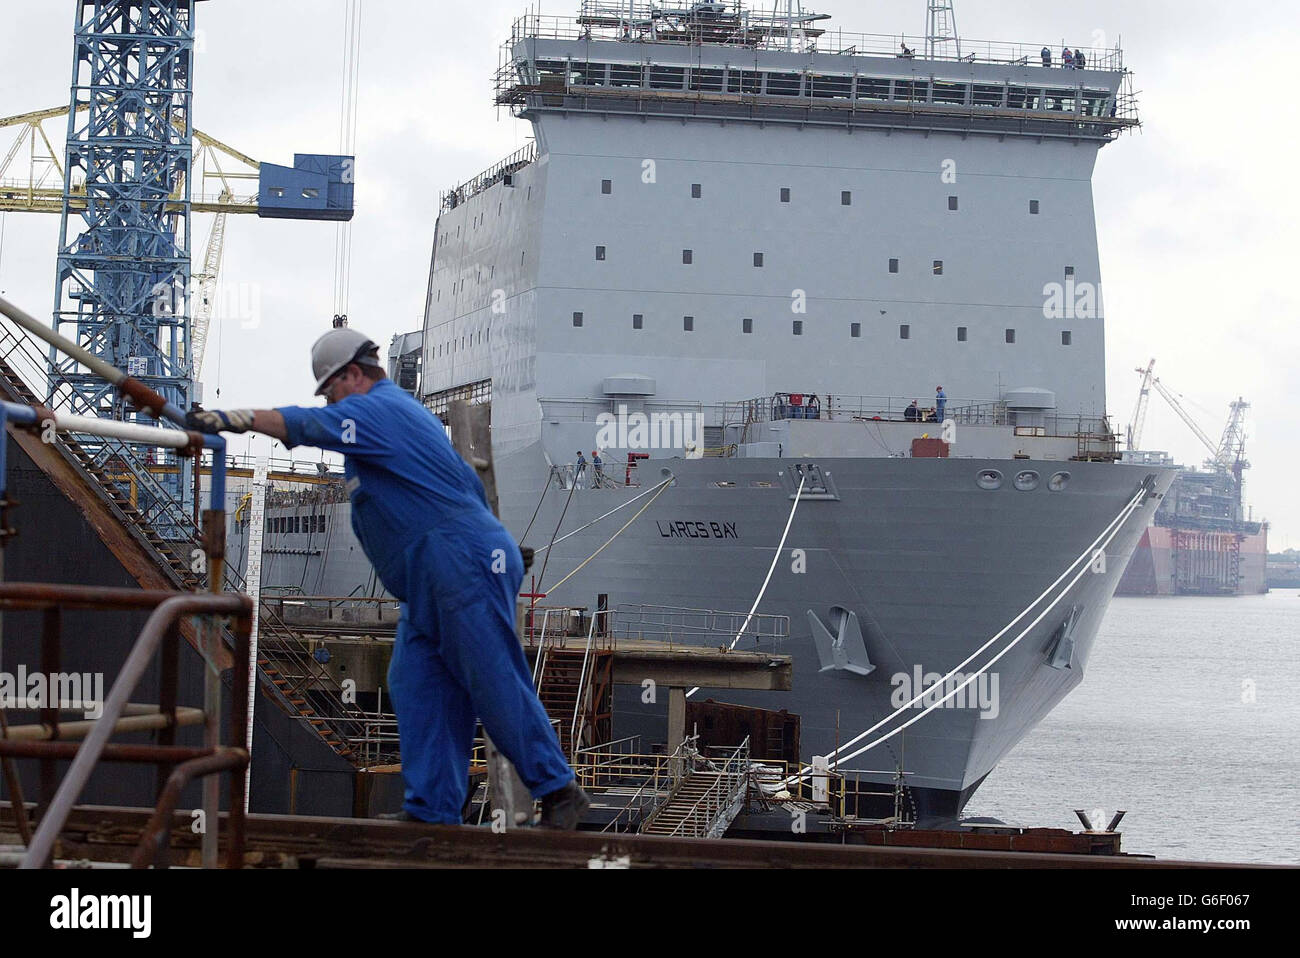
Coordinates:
x,y
10,772
133,669
71,731
41,595
145,399
111,428
130,754
158,832
217,487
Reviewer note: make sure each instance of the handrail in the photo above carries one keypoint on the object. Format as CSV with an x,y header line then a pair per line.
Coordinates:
x,y
637,799
450,199
760,30
133,669
727,778
575,728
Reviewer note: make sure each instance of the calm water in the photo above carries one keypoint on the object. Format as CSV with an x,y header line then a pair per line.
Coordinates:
x,y
1159,727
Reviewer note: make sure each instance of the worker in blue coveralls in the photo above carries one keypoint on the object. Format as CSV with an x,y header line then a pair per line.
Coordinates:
x,y
421,515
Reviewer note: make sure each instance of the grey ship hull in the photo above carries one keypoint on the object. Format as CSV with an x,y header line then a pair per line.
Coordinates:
x,y
935,563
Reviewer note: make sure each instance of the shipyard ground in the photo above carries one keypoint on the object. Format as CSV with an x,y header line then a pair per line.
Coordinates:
x,y
100,836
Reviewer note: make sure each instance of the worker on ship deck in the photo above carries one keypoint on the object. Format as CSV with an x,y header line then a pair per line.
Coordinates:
x,y
422,517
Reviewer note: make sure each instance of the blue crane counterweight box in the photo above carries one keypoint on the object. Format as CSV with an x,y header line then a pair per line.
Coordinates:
x,y
316,187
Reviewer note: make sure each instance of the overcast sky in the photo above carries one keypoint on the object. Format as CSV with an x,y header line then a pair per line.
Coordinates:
x,y
1197,213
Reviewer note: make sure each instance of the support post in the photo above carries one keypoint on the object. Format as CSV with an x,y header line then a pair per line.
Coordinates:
x,y
471,436
676,717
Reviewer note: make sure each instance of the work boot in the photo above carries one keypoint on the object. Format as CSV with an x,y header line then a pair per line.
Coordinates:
x,y
563,808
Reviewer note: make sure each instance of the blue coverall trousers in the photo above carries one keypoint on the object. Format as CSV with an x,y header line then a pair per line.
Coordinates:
x,y
457,658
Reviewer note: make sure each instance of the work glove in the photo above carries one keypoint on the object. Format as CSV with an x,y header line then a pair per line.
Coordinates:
x,y
213,421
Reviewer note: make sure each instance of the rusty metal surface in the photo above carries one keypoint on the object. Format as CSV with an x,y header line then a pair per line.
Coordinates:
x,y
159,633
156,840
130,754
42,595
284,841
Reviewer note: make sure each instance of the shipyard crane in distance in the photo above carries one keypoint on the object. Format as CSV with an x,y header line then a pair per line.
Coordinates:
x,y
227,181
1227,455
1139,417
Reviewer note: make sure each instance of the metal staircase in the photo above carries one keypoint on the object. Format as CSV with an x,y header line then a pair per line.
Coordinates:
x,y
113,473
707,798
576,690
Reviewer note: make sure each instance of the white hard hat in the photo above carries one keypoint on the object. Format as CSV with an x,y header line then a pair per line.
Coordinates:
x,y
338,349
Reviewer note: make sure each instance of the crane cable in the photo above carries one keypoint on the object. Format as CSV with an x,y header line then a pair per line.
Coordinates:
x,y
348,98
837,757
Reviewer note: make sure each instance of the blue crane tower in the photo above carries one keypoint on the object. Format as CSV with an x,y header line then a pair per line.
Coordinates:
x,y
122,288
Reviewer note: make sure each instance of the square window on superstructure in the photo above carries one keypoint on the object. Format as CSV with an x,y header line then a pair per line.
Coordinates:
x,y
696,191
893,266
1066,338
986,94
758,259
961,334
953,94
744,81
785,194
1033,207
873,88
600,252
784,84
855,330
706,81
846,198
621,74
938,267
688,323
904,331
798,327
1069,271
688,257
952,203
830,86
667,78
746,325
1011,335
577,319
607,186
637,320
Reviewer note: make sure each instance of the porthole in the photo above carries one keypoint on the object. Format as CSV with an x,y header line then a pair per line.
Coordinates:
x,y
1027,480
1058,481
989,479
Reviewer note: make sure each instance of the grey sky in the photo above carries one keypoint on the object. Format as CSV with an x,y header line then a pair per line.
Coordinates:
x,y
1197,213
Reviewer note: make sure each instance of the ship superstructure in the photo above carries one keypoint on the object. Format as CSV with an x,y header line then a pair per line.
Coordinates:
x,y
738,248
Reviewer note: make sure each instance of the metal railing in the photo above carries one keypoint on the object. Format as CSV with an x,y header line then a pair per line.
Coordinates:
x,y
715,809
839,408
159,637
757,30
450,199
675,625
